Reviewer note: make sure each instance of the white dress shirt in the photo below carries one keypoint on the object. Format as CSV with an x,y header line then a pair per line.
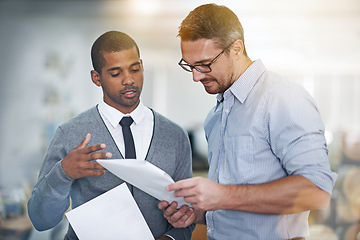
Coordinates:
x,y
141,128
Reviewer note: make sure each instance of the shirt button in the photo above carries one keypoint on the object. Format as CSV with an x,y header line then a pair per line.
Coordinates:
x,y
209,230
227,111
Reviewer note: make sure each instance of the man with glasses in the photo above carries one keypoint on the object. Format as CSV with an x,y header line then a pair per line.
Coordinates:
x,y
68,172
268,163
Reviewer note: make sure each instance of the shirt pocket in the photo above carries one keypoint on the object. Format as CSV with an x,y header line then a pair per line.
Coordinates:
x,y
239,166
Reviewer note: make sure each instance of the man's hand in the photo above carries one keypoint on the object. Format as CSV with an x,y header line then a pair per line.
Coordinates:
x,y
202,193
77,163
179,218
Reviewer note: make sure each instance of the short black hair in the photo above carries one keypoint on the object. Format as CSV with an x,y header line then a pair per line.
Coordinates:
x,y
112,41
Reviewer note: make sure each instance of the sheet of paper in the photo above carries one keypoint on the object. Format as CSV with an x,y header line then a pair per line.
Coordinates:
x,y
144,176
112,215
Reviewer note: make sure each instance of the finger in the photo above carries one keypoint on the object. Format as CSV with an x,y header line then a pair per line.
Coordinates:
x,y
163,205
99,155
84,142
191,199
92,173
185,193
94,148
185,183
187,219
94,165
170,210
191,219
179,213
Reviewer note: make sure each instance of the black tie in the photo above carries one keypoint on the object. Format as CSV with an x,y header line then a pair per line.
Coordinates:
x,y
128,138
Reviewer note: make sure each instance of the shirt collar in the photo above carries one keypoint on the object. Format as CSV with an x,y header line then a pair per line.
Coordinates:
x,y
243,85
114,116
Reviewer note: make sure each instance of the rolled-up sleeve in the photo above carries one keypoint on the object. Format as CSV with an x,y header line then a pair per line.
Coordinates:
x,y
297,136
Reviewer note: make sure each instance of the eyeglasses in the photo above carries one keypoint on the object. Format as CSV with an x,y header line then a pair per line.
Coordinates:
x,y
203,68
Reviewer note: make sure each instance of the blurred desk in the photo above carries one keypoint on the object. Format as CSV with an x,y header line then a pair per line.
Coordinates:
x,y
15,229
200,173
199,232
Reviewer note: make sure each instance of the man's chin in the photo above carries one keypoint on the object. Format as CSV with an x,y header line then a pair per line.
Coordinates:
x,y
210,90
131,102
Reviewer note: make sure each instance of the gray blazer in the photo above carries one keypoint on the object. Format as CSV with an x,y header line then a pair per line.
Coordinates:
x,y
169,150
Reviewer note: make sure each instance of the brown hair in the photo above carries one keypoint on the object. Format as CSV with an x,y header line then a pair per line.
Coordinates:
x,y
211,21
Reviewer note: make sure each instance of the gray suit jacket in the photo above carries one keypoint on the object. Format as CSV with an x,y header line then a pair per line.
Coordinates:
x,y
169,150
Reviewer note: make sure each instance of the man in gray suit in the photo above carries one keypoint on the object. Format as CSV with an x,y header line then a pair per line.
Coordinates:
x,y
68,171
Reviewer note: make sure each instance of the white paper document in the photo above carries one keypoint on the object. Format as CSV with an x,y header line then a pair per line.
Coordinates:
x,y
144,176
112,215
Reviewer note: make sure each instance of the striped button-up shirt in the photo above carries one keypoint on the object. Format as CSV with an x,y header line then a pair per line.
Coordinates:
x,y
264,128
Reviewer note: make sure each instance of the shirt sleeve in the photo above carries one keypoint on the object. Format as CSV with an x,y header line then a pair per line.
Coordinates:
x,y
297,136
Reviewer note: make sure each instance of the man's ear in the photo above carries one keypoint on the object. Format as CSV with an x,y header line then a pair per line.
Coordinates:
x,y
95,77
238,47
142,65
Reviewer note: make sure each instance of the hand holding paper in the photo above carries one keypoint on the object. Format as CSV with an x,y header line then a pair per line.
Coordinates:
x,y
144,176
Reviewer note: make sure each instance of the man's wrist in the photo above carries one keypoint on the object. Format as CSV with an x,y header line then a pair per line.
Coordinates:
x,y
200,217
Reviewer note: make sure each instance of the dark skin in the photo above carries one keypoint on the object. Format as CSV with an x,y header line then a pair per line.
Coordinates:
x,y
121,80
77,164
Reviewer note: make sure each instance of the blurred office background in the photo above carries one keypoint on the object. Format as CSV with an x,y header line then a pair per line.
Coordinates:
x,y
45,80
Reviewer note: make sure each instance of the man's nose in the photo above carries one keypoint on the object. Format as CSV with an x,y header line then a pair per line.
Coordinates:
x,y
197,76
128,79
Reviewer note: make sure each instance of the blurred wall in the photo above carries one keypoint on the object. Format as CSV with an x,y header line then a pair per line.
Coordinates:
x,y
45,63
